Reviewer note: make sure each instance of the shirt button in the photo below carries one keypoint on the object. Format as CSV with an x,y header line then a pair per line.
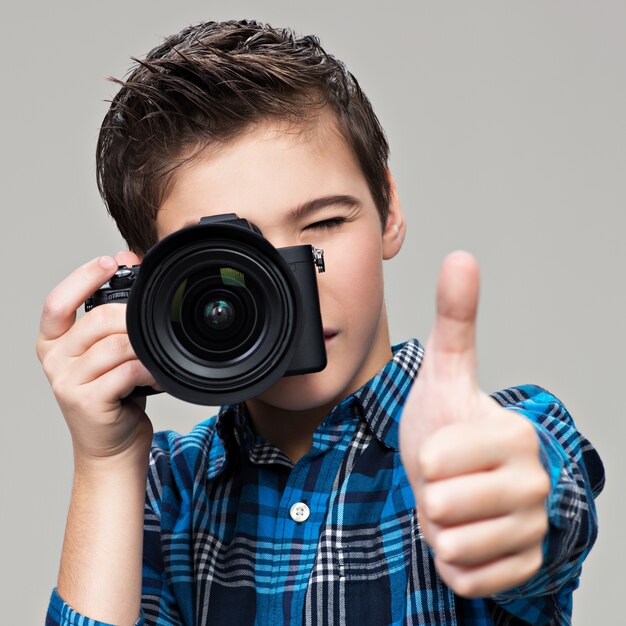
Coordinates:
x,y
299,512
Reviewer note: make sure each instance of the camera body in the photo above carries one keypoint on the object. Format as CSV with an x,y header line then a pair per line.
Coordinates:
x,y
217,314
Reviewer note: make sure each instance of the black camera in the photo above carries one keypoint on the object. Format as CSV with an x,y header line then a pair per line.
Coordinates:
x,y
218,315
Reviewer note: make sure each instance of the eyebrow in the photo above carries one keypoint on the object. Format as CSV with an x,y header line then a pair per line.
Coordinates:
x,y
311,206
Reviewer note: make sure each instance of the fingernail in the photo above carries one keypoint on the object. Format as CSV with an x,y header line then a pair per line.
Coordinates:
x,y
107,262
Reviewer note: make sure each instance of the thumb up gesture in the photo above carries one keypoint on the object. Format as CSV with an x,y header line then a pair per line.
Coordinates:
x,y
474,467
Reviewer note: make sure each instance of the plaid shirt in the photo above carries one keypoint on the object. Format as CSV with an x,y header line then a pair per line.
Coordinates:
x,y
223,544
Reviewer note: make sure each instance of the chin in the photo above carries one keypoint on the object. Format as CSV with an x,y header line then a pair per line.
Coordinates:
x,y
303,393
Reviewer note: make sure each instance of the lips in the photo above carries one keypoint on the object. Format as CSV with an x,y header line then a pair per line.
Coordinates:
x,y
329,333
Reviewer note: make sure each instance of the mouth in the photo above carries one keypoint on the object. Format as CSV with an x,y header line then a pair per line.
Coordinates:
x,y
330,333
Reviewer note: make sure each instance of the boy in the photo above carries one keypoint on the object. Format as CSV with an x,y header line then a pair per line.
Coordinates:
x,y
362,494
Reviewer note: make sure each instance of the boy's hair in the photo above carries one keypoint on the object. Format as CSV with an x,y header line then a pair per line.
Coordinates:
x,y
201,88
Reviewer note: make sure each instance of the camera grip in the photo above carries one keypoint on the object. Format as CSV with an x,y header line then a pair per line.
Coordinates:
x,y
140,392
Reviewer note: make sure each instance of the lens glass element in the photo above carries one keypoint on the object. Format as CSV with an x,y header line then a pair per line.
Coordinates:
x,y
219,314
215,313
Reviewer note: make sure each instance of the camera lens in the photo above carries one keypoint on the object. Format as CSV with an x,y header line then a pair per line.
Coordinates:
x,y
215,317
219,314
214,314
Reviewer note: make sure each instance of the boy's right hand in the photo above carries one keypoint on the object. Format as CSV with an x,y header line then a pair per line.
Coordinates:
x,y
91,365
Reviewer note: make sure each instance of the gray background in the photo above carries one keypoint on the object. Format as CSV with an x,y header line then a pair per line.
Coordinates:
x,y
507,132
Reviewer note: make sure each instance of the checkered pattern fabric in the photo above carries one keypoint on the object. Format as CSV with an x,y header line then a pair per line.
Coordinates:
x,y
221,547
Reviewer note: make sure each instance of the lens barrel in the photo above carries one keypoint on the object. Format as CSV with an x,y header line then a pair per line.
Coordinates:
x,y
215,314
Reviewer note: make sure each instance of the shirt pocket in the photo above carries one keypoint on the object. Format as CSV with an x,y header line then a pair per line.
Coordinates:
x,y
375,564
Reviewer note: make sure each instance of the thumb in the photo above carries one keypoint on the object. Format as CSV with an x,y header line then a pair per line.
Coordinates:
x,y
452,344
445,390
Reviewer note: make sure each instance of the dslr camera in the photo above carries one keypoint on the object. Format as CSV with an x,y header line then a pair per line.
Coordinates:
x,y
217,314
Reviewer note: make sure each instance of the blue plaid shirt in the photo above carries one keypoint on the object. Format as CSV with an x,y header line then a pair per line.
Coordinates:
x,y
223,545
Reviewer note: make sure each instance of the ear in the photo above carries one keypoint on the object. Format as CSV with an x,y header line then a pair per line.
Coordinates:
x,y
395,228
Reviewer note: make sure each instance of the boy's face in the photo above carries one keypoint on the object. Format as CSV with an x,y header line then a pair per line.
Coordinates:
x,y
263,175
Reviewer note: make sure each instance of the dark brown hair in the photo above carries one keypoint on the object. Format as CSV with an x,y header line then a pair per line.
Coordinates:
x,y
205,85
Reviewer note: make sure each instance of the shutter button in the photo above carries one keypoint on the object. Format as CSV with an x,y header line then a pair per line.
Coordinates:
x,y
299,512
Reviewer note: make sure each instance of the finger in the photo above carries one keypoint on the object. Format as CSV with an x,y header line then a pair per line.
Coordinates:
x,y
118,382
101,357
128,258
461,448
59,311
499,437
474,497
452,344
470,545
100,322
484,580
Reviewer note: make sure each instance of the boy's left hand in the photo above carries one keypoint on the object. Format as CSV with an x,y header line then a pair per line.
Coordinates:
x,y
474,466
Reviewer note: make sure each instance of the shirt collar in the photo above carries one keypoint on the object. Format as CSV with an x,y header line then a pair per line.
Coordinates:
x,y
382,397
379,402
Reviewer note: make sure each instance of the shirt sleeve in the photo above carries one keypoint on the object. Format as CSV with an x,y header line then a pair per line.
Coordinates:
x,y
576,477
62,614
159,604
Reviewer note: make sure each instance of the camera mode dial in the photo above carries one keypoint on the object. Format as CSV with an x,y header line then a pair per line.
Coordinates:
x,y
123,278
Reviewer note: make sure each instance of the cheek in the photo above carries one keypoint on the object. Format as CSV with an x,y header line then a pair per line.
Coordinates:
x,y
351,289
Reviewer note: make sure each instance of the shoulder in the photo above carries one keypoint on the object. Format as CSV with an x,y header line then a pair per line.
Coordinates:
x,y
178,462
555,425
167,444
534,400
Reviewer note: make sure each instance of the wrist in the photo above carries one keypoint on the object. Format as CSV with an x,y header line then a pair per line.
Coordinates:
x,y
132,459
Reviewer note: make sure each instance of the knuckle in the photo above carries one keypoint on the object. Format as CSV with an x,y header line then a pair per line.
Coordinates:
x,y
425,528
433,505
52,307
427,460
526,435
107,316
447,547
118,344
540,527
544,485
47,363
130,370
538,486
517,430
62,390
533,562
465,585
547,482
71,396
